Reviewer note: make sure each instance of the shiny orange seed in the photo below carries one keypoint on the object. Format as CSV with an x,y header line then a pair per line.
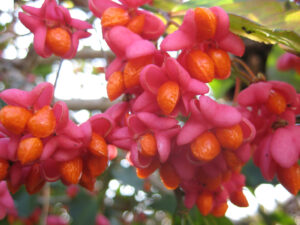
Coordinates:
x,y
29,150
42,123
231,137
232,161
146,172
98,145
239,199
206,23
34,181
58,40
200,66
114,16
290,178
221,61
132,70
205,147
168,96
4,165
87,181
71,170
96,165
205,202
115,85
136,24
14,118
148,144
220,210
276,103
168,176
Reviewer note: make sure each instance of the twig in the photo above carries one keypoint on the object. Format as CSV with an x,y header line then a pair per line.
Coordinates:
x,y
57,74
46,203
236,89
246,67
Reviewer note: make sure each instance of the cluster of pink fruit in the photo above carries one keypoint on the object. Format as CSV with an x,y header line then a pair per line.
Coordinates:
x,y
165,123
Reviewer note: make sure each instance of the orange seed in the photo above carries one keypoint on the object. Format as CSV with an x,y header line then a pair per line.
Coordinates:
x,y
205,147
29,150
230,138
168,96
71,171
290,178
200,66
133,68
114,16
206,23
98,145
14,118
58,40
42,123
115,85
238,198
221,61
148,144
205,202
136,24
168,176
276,103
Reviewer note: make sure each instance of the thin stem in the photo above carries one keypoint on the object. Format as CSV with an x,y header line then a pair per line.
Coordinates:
x,y
46,203
237,89
57,74
241,74
246,67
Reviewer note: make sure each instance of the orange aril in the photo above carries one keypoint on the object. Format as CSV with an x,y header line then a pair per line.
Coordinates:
x,y
98,145
34,181
211,183
96,165
290,178
276,103
71,170
58,40
114,16
231,137
4,165
220,209
42,123
168,96
133,68
148,144
232,161
206,23
205,147
14,118
146,172
168,176
221,61
200,66
87,181
115,85
238,198
136,24
29,150
205,202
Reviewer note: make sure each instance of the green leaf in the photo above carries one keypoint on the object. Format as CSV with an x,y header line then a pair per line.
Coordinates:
x,y
127,176
25,203
83,209
166,203
249,29
221,87
42,70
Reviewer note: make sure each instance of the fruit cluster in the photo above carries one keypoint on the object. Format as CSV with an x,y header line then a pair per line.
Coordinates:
x,y
165,123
